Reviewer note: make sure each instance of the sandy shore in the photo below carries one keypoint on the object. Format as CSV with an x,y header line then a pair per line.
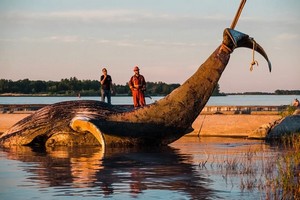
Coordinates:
x,y
209,125
230,125
8,120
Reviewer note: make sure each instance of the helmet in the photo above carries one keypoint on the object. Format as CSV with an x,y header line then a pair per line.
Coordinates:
x,y
136,68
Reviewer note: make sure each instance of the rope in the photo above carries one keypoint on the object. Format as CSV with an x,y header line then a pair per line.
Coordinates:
x,y
254,62
233,24
225,48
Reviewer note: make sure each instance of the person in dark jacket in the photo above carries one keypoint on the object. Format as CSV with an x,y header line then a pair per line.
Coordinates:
x,y
106,86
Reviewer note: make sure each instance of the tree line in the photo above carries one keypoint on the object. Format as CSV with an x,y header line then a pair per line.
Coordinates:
x,y
74,87
287,92
277,92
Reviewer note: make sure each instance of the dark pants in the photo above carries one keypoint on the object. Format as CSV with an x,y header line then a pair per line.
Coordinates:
x,y
106,93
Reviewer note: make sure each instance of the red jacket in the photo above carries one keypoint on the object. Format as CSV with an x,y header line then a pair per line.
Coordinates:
x,y
137,83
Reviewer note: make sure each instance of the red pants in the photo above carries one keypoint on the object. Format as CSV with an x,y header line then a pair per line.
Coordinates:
x,y
138,98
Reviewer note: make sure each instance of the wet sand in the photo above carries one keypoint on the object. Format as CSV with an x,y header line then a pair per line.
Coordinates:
x,y
209,125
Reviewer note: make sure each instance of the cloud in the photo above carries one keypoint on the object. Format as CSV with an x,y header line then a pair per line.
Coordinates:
x,y
57,38
146,42
65,39
288,36
116,15
104,16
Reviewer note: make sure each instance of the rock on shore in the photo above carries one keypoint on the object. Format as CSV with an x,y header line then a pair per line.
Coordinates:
x,y
286,126
278,128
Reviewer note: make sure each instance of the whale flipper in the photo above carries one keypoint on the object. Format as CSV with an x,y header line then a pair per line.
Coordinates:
x,y
83,124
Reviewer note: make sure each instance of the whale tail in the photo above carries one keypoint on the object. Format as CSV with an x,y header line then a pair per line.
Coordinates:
x,y
233,39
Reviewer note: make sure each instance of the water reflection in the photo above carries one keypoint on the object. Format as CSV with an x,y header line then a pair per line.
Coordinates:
x,y
117,173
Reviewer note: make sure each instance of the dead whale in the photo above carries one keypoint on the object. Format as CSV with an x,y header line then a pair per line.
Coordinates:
x,y
97,123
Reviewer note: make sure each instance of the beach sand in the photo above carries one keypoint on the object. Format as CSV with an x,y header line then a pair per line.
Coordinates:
x,y
8,120
209,125
230,125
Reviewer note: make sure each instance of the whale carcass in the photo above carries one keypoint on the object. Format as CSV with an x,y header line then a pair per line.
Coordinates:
x,y
97,123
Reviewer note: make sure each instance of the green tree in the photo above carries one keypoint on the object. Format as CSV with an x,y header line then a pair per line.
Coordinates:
x,y
216,91
73,86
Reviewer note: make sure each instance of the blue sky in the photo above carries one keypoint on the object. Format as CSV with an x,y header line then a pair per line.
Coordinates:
x,y
167,39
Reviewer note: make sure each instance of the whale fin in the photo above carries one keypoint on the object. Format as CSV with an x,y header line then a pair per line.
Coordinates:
x,y
82,124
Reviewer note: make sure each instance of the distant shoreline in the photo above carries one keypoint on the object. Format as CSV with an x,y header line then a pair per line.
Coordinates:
x,y
47,95
121,95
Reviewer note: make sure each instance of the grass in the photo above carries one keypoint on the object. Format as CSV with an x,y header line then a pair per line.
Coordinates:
x,y
287,182
274,176
288,111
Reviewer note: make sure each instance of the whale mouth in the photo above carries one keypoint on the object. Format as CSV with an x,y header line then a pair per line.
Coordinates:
x,y
233,39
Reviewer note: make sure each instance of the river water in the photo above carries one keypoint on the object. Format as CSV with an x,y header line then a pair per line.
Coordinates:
x,y
229,100
190,168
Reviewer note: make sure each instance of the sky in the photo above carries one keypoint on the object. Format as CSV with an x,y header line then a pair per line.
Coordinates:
x,y
167,39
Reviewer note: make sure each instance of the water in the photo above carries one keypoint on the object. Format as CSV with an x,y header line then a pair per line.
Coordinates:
x,y
172,172
230,100
190,168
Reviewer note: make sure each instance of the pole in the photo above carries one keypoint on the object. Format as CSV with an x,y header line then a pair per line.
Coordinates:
x,y
238,13
201,126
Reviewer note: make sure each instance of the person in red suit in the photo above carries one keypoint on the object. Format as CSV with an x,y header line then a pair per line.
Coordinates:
x,y
137,85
